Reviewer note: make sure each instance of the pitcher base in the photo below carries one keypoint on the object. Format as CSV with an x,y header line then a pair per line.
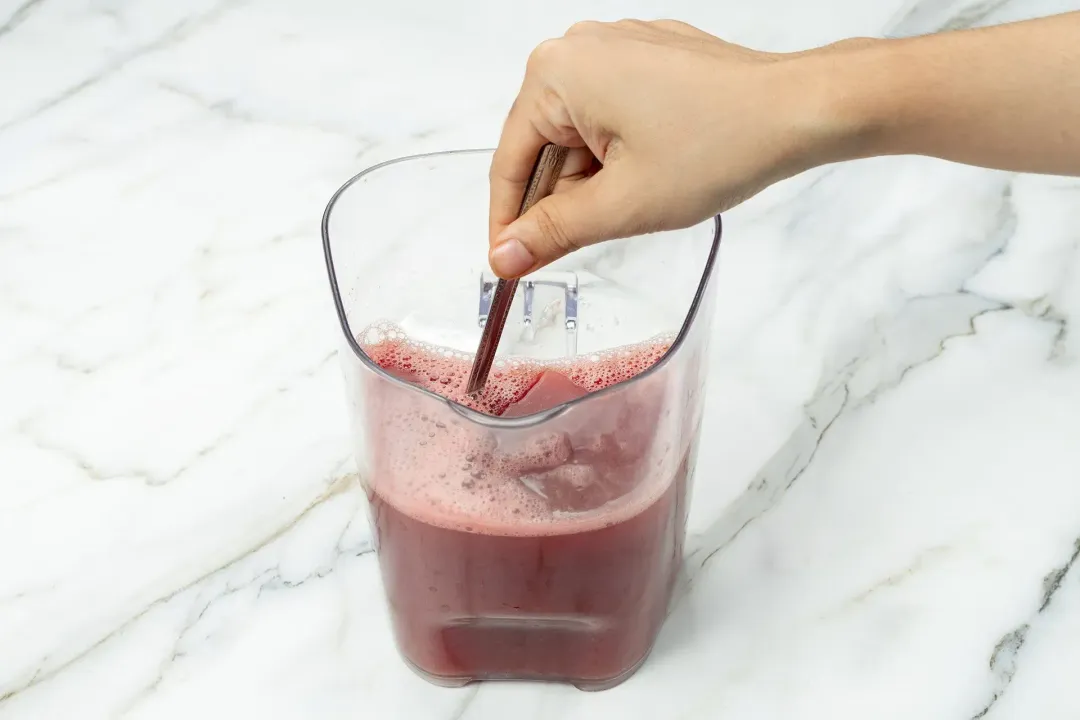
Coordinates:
x,y
585,685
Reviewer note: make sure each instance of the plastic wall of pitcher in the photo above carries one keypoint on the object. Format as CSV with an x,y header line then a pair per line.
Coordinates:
x,y
541,549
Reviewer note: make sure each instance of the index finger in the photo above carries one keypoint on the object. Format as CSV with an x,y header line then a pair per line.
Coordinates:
x,y
511,166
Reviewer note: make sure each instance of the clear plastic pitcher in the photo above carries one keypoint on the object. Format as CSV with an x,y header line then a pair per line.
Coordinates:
x,y
542,543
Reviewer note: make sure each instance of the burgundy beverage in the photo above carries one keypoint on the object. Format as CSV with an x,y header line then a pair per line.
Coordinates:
x,y
544,553
534,531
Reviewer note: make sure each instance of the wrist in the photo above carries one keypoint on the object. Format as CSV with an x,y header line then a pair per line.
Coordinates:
x,y
856,98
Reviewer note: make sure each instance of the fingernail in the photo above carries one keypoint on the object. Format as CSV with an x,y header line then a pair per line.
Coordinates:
x,y
511,259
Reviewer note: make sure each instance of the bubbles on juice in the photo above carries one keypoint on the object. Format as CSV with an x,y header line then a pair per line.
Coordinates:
x,y
446,372
446,470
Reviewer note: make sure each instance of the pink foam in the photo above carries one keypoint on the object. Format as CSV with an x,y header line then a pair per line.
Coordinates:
x,y
453,474
515,387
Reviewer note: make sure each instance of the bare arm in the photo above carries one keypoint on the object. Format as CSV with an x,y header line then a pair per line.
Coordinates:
x,y
668,125
1005,97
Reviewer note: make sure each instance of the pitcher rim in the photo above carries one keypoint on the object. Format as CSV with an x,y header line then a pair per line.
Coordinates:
x,y
466,412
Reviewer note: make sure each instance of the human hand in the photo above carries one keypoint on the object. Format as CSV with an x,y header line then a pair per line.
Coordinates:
x,y
667,126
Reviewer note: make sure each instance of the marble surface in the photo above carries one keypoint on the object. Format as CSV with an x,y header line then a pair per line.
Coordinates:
x,y
886,519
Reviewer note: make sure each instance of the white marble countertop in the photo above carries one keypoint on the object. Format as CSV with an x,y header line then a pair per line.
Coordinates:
x,y
887,513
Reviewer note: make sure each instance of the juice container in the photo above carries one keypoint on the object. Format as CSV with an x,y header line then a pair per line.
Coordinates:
x,y
535,532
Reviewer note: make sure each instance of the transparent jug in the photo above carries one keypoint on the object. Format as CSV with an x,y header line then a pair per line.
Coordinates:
x,y
533,545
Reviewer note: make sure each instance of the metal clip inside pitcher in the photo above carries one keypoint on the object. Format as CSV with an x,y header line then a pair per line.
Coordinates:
x,y
567,281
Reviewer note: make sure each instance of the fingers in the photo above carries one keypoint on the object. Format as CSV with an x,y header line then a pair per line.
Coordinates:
x,y
510,167
513,162
538,116
589,211
579,164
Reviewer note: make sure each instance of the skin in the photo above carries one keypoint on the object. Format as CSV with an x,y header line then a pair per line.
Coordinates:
x,y
669,125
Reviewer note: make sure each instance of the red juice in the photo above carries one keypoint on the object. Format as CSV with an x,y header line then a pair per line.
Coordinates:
x,y
548,552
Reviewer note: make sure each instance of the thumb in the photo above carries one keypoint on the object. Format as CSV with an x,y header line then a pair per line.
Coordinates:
x,y
588,212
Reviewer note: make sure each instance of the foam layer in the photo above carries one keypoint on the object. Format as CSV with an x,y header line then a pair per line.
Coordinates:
x,y
446,372
595,465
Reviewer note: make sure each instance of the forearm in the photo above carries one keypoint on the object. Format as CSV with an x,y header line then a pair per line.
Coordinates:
x,y
1006,97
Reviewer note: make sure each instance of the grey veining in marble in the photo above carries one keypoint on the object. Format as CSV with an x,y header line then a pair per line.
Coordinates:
x,y
886,517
